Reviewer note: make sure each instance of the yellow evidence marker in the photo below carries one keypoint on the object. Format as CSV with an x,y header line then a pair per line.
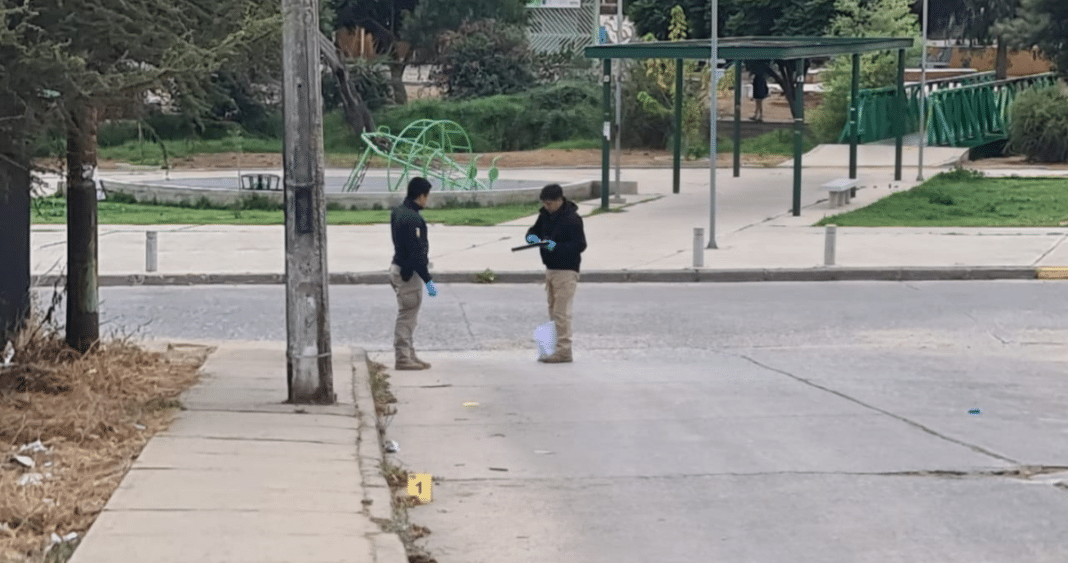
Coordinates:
x,y
420,485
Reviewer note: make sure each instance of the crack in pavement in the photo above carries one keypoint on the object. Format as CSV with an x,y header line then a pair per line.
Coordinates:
x,y
1055,245
467,322
243,439
477,245
931,431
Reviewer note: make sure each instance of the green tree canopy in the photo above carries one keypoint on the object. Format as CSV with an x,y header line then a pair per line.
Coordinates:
x,y
424,26
79,65
1042,24
777,18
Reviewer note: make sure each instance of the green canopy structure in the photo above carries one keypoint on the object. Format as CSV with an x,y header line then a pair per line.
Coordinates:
x,y
737,50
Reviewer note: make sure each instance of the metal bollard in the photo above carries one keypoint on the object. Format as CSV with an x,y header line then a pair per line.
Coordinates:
x,y
829,244
151,246
698,247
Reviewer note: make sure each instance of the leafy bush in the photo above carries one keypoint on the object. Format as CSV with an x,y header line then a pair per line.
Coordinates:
x,y
648,98
567,63
485,58
1038,125
525,121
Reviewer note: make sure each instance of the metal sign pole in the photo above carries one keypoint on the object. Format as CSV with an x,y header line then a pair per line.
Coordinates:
x,y
713,102
619,104
923,93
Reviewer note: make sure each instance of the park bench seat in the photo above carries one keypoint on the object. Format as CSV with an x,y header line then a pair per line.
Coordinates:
x,y
840,191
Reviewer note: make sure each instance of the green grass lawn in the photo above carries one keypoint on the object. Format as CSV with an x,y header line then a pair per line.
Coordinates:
x,y
967,199
779,142
53,211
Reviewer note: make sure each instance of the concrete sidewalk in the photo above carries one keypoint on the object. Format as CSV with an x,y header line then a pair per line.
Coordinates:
x,y
241,477
654,232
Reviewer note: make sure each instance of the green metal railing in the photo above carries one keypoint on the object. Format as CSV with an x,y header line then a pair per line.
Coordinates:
x,y
878,114
964,111
974,115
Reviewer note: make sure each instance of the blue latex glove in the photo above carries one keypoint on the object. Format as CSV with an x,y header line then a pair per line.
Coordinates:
x,y
550,246
532,239
431,289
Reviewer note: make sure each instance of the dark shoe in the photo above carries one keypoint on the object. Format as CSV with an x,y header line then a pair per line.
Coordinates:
x,y
556,358
410,366
426,365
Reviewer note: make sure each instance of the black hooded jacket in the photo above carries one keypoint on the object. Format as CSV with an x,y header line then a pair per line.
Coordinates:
x,y
411,247
565,229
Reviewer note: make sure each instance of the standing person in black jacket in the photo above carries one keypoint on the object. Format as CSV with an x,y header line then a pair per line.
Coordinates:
x,y
560,226
411,249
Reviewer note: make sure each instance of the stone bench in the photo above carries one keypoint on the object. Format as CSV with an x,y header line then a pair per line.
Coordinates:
x,y
840,191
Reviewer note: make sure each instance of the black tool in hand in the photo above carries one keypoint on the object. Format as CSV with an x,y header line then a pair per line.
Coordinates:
x,y
526,246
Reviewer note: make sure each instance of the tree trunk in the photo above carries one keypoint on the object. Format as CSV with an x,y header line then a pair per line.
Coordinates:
x,y
14,240
396,71
1001,66
357,115
786,76
83,316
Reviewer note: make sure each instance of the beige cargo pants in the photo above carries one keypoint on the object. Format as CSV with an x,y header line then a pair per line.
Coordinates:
x,y
560,285
409,298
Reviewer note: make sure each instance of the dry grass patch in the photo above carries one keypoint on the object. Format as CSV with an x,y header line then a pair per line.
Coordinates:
x,y
92,415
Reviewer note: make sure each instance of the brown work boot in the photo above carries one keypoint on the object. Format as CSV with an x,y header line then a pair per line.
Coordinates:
x,y
557,358
426,365
410,365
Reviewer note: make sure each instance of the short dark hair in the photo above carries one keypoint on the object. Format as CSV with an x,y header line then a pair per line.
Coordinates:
x,y
552,191
419,186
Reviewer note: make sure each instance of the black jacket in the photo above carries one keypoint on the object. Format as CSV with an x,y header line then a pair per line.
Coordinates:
x,y
411,247
565,229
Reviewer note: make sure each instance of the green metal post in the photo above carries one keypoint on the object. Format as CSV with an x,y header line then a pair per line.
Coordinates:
x,y
854,117
677,180
899,119
737,118
799,133
606,135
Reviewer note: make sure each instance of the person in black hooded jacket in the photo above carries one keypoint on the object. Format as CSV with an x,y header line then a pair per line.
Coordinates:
x,y
559,225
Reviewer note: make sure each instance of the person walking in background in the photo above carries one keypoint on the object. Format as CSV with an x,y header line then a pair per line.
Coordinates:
x,y
409,271
760,91
559,225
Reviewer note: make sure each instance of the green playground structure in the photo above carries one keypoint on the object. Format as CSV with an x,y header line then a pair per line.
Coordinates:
x,y
423,147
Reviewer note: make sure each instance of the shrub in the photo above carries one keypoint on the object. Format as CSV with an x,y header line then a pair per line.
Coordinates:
x,y
485,58
525,121
1038,125
648,98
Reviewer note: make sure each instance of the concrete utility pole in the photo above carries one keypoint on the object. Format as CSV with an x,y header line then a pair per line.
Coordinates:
x,y
308,356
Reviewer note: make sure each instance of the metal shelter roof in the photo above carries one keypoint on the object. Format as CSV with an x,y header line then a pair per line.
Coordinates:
x,y
750,48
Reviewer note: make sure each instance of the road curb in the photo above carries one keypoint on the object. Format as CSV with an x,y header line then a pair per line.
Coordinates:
x,y
612,276
378,500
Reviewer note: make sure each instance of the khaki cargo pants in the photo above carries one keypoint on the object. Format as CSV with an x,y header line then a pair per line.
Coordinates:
x,y
560,285
409,298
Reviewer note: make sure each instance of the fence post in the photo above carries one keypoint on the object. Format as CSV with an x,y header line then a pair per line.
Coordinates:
x,y
151,246
829,241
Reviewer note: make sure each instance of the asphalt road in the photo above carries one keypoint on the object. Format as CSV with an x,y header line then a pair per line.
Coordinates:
x,y
613,316
828,422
